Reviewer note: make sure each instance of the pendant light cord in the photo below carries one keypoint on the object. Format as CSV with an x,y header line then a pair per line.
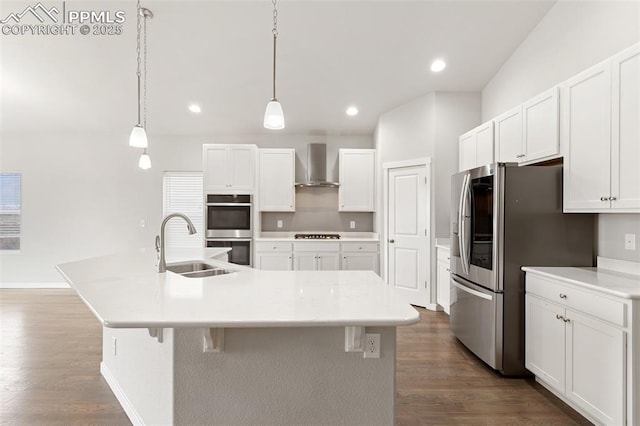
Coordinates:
x,y
145,72
275,36
139,29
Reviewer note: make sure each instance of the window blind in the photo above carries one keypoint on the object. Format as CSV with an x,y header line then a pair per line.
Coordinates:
x,y
182,193
10,210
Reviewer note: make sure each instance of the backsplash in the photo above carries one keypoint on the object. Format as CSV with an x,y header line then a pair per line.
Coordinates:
x,y
317,210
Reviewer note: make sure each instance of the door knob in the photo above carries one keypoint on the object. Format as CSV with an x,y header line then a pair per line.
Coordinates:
x,y
392,241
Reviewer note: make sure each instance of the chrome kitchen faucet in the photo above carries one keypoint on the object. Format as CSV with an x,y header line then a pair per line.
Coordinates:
x,y
162,264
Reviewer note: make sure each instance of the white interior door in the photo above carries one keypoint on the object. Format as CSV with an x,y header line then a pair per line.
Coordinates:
x,y
408,260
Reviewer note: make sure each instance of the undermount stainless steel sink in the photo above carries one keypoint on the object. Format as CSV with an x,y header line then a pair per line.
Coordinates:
x,y
182,268
198,270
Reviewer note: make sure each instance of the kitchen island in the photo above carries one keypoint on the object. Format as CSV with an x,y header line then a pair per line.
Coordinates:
x,y
249,347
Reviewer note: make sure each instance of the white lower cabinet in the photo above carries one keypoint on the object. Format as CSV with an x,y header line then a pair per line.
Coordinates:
x,y
274,256
575,344
443,275
317,256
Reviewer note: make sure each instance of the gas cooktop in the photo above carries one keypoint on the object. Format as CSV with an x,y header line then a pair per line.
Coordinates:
x,y
317,236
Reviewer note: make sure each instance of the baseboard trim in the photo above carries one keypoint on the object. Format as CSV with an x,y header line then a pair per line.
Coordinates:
x,y
34,285
120,395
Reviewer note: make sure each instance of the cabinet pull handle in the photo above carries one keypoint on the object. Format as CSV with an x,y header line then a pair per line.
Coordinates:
x,y
604,198
563,296
560,317
612,198
392,241
566,319
448,270
520,156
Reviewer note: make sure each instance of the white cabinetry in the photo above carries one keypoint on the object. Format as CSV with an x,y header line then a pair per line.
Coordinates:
x,y
316,256
357,180
274,256
442,279
476,147
575,344
228,168
359,256
600,133
276,175
529,133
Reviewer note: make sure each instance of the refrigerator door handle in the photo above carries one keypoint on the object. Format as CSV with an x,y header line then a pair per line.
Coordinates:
x,y
472,291
462,235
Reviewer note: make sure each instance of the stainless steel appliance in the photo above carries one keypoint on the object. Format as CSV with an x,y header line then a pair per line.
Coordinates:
x,y
317,236
228,224
505,217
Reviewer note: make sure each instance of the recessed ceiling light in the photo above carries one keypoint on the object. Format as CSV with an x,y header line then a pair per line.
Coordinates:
x,y
438,65
352,111
195,108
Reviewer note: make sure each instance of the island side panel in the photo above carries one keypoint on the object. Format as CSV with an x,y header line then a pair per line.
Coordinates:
x,y
298,376
139,370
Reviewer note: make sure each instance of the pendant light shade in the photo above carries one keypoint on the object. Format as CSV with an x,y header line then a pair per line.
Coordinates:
x,y
138,137
273,116
145,161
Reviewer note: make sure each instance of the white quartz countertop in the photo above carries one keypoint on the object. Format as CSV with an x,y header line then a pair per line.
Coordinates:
x,y
125,291
604,280
344,236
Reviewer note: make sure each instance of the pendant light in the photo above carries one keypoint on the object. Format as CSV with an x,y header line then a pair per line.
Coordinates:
x,y
145,161
138,137
273,115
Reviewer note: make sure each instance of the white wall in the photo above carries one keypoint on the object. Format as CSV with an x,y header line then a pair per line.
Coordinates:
x,y
83,194
428,126
571,37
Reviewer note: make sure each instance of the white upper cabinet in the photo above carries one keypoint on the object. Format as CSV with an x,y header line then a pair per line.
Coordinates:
x,y
276,175
600,134
509,140
541,127
476,147
529,133
357,169
229,168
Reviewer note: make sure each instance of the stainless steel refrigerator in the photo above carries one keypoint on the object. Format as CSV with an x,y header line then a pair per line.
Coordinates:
x,y
504,217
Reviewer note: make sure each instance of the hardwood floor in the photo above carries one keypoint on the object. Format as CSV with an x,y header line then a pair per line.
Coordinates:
x,y
50,352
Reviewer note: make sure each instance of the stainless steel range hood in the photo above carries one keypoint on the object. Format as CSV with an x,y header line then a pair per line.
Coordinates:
x,y
317,168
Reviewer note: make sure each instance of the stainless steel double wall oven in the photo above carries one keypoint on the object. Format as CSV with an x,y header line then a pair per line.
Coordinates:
x,y
504,217
229,224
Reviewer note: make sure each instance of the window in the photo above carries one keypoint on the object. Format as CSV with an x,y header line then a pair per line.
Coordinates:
x,y
182,193
10,211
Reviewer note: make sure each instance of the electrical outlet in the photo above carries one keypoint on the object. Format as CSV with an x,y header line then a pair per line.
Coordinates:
x,y
114,344
143,223
372,345
629,241
279,224
352,224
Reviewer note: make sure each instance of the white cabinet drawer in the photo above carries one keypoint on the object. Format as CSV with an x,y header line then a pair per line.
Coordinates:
x,y
279,246
360,247
443,254
598,306
316,246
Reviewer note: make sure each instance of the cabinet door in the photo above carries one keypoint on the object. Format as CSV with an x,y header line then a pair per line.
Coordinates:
x,y
360,262
215,167
304,261
467,151
443,291
596,374
541,121
276,175
586,138
328,261
545,341
242,164
508,128
357,180
484,141
625,145
274,261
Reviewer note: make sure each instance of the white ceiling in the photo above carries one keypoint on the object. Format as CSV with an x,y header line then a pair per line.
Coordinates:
x,y
331,54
